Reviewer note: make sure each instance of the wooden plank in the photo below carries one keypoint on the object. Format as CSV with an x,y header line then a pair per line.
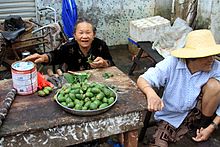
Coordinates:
x,y
151,52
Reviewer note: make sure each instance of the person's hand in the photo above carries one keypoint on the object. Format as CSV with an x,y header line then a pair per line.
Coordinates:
x,y
202,134
99,62
154,103
37,58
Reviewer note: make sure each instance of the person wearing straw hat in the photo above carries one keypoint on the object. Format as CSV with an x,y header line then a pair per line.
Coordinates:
x,y
190,103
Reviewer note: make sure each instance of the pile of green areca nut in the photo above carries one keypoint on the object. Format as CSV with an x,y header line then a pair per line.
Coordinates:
x,y
85,96
80,97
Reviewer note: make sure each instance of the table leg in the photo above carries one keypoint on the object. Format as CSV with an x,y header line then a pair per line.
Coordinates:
x,y
131,138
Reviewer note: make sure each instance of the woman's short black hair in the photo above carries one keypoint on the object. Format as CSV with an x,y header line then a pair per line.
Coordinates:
x,y
80,20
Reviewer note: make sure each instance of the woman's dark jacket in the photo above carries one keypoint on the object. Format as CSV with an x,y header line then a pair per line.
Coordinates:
x,y
71,54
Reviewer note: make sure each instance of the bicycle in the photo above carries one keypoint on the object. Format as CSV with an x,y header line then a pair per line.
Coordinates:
x,y
35,38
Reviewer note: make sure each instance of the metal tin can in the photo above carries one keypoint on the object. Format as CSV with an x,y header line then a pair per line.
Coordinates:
x,y
24,77
25,54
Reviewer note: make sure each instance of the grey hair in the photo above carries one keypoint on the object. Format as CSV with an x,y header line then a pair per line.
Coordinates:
x,y
80,20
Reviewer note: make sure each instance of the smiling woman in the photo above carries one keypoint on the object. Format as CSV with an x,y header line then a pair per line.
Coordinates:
x,y
84,34
85,51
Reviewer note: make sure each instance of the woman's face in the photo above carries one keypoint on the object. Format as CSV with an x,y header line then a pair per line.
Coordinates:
x,y
205,63
84,35
202,64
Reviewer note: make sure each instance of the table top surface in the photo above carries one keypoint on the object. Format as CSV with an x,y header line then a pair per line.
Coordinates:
x,y
31,112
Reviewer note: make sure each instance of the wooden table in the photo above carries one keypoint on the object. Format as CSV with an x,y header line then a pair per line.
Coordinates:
x,y
39,121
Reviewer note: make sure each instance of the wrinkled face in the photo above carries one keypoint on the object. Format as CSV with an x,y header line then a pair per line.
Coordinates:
x,y
204,64
84,35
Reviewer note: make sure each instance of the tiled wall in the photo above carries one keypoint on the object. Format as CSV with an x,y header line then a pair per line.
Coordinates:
x,y
111,17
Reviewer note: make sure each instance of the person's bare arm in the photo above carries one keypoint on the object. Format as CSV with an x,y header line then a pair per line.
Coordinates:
x,y
37,58
204,133
154,102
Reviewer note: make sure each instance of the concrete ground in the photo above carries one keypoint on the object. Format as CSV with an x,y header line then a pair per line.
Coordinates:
x,y
123,60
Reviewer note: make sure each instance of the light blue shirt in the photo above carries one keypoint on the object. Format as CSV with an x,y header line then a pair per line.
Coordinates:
x,y
181,87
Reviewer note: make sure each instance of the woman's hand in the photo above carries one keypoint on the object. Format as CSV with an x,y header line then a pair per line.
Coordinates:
x,y
203,134
99,62
154,102
37,58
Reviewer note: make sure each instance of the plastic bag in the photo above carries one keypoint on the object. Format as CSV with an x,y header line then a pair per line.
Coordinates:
x,y
69,16
173,38
13,23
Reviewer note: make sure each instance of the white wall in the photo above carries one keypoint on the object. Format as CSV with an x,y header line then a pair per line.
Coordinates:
x,y
215,19
209,16
112,16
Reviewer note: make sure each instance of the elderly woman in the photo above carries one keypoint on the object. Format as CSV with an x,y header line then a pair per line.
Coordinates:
x,y
191,97
85,51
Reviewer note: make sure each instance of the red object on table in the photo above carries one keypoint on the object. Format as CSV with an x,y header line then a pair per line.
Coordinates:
x,y
42,82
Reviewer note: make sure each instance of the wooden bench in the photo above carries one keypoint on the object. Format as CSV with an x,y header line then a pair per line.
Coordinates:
x,y
144,46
